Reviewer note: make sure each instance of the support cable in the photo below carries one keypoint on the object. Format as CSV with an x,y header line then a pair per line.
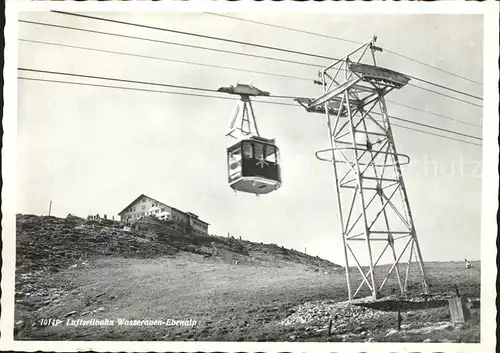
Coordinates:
x,y
164,59
222,67
259,46
197,95
170,43
284,50
347,41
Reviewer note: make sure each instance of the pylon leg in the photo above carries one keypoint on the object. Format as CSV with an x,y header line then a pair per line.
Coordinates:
x,y
339,207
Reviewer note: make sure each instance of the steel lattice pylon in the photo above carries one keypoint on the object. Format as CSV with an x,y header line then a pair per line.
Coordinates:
x,y
372,201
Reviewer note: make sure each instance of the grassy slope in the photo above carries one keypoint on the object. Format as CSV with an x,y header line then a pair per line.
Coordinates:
x,y
239,293
51,244
229,302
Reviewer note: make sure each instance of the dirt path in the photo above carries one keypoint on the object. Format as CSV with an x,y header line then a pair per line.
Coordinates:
x,y
219,296
228,301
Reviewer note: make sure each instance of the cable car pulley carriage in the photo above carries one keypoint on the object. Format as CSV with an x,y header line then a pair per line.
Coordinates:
x,y
253,161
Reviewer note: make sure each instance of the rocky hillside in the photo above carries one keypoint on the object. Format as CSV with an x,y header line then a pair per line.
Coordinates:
x,y
48,243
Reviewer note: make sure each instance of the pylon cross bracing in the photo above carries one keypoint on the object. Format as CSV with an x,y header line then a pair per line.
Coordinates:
x,y
374,212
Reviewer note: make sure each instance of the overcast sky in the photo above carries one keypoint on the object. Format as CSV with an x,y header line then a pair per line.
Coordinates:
x,y
94,150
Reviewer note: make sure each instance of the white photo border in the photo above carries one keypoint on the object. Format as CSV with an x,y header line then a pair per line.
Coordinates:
x,y
490,11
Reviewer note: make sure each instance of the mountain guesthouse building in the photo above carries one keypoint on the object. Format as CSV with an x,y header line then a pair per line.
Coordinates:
x,y
145,206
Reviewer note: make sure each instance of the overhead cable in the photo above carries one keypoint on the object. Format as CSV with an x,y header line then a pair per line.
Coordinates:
x,y
172,43
445,95
234,42
196,35
433,113
164,59
197,89
116,79
433,127
226,51
228,68
433,67
344,40
216,97
284,27
434,134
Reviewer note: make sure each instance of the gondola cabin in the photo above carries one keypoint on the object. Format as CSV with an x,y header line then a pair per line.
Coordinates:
x,y
253,166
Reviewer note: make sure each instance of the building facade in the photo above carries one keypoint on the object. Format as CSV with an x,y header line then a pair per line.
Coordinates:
x,y
196,224
160,212
145,206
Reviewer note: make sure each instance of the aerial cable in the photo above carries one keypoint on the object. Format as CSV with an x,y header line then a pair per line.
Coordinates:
x,y
202,89
240,43
229,68
146,90
134,81
217,97
124,88
284,27
435,134
232,52
344,40
433,67
432,113
117,79
172,43
443,87
445,95
165,59
431,126
196,35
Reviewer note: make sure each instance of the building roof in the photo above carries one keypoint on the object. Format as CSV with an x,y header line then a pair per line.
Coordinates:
x,y
135,200
143,195
197,219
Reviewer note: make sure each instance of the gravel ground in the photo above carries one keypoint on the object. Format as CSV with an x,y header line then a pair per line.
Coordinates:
x,y
343,316
229,302
235,290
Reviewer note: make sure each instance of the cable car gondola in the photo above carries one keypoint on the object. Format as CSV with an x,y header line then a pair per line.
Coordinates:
x,y
253,165
253,161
